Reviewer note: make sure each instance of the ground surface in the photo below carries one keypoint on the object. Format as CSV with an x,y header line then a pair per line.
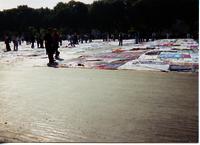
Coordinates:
x,y
85,105
42,104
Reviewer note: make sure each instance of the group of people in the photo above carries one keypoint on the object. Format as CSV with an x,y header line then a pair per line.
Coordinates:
x,y
51,40
39,38
108,37
16,42
75,39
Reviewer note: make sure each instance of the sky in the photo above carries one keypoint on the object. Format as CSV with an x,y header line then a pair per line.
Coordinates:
x,y
8,4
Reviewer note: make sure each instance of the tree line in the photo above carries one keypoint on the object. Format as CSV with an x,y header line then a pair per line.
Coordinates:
x,y
177,17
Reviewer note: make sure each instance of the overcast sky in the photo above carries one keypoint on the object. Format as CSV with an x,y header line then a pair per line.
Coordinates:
x,y
7,4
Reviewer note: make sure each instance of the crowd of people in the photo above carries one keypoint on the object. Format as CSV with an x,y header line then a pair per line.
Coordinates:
x,y
52,40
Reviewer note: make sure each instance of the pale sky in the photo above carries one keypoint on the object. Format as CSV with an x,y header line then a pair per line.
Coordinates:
x,y
7,4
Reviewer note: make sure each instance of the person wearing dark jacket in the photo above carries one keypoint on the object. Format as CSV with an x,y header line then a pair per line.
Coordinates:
x,y
41,40
56,40
49,46
15,42
120,39
32,41
7,42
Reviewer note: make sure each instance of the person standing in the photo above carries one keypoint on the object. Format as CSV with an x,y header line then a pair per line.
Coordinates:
x,y
90,38
49,47
41,40
71,40
60,39
56,40
75,39
15,42
20,40
136,37
38,40
32,41
120,39
188,35
7,42
81,38
86,38
153,36
167,35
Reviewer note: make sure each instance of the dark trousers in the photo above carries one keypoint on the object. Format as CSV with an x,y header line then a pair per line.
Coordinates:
x,y
38,44
41,44
57,53
15,47
120,43
32,44
50,52
50,56
8,47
